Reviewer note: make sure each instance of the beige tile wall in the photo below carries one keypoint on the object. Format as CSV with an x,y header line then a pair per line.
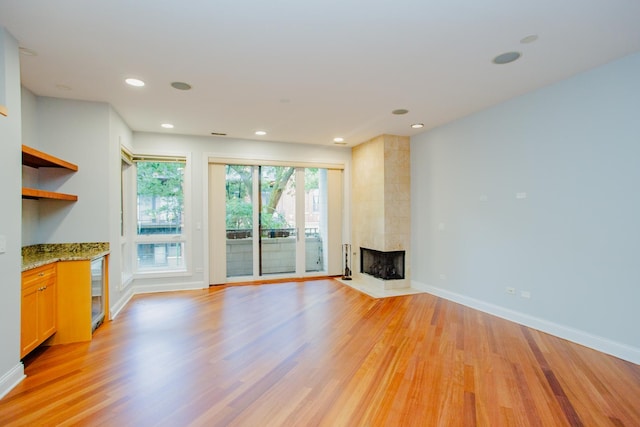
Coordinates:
x,y
381,196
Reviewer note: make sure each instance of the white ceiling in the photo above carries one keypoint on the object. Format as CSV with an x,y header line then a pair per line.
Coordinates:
x,y
309,70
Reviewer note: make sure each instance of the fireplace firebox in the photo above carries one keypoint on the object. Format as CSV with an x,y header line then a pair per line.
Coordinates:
x,y
382,265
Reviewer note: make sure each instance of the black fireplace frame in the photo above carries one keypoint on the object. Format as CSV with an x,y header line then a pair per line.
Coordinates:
x,y
382,265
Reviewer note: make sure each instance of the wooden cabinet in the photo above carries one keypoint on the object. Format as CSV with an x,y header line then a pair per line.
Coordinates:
x,y
37,159
39,307
75,301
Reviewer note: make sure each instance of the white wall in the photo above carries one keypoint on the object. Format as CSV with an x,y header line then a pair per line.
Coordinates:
x,y
30,177
78,132
11,369
119,135
199,149
573,242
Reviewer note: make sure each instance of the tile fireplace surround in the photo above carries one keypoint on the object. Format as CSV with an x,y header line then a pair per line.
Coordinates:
x,y
381,203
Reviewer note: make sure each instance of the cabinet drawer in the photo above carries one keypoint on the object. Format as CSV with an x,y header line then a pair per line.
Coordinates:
x,y
38,275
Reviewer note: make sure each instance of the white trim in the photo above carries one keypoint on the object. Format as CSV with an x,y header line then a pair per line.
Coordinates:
x,y
622,351
205,221
126,281
121,304
161,274
266,162
168,287
11,379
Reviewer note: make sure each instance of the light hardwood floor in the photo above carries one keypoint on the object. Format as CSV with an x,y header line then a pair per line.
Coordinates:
x,y
319,353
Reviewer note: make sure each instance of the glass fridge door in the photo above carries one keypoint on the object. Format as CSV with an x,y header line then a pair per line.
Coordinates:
x,y
97,292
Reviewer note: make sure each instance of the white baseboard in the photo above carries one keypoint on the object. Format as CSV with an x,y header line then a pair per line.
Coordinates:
x,y
11,379
147,289
622,351
122,302
168,287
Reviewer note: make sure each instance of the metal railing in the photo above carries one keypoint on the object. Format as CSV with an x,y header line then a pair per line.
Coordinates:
x,y
271,233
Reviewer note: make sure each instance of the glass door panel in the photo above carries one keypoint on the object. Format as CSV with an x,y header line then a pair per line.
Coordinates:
x,y
97,292
239,220
315,205
278,233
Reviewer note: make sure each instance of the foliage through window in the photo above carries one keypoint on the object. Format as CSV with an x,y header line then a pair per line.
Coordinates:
x,y
160,215
160,197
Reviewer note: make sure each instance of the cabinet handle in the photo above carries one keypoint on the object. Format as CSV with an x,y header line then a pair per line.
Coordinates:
x,y
40,274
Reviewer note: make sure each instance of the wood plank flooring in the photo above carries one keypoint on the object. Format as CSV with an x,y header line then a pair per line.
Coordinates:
x,y
319,353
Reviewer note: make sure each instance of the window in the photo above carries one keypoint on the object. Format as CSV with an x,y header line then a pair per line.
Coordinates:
x,y
160,238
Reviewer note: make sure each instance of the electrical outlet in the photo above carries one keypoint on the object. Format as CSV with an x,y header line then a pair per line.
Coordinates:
x,y
511,290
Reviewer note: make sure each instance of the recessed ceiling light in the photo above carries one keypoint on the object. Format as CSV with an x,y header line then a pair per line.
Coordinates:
x,y
400,111
506,57
529,39
167,125
338,139
261,132
417,125
181,85
134,82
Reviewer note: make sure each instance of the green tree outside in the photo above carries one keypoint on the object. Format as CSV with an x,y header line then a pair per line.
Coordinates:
x,y
239,186
161,184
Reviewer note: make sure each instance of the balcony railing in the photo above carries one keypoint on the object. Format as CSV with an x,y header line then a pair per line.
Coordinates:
x,y
271,233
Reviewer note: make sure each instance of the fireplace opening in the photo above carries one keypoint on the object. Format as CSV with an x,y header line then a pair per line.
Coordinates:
x,y
382,265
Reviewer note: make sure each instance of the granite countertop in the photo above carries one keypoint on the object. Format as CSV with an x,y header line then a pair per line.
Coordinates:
x,y
38,255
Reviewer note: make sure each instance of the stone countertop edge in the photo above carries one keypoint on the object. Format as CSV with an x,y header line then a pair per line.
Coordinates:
x,y
38,255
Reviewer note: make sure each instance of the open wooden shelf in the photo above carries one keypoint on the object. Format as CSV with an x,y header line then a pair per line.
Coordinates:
x,y
32,193
37,159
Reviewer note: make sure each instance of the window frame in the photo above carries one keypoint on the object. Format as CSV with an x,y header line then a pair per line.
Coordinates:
x,y
183,238
127,201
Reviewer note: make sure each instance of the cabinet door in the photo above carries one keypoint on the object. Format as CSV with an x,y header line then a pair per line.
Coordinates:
x,y
29,336
47,310
38,307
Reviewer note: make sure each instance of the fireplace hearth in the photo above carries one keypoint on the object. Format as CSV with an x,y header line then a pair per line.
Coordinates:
x,y
382,265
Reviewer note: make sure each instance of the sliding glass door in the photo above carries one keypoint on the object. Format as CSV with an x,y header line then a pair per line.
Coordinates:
x,y
239,220
277,222
315,219
273,221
